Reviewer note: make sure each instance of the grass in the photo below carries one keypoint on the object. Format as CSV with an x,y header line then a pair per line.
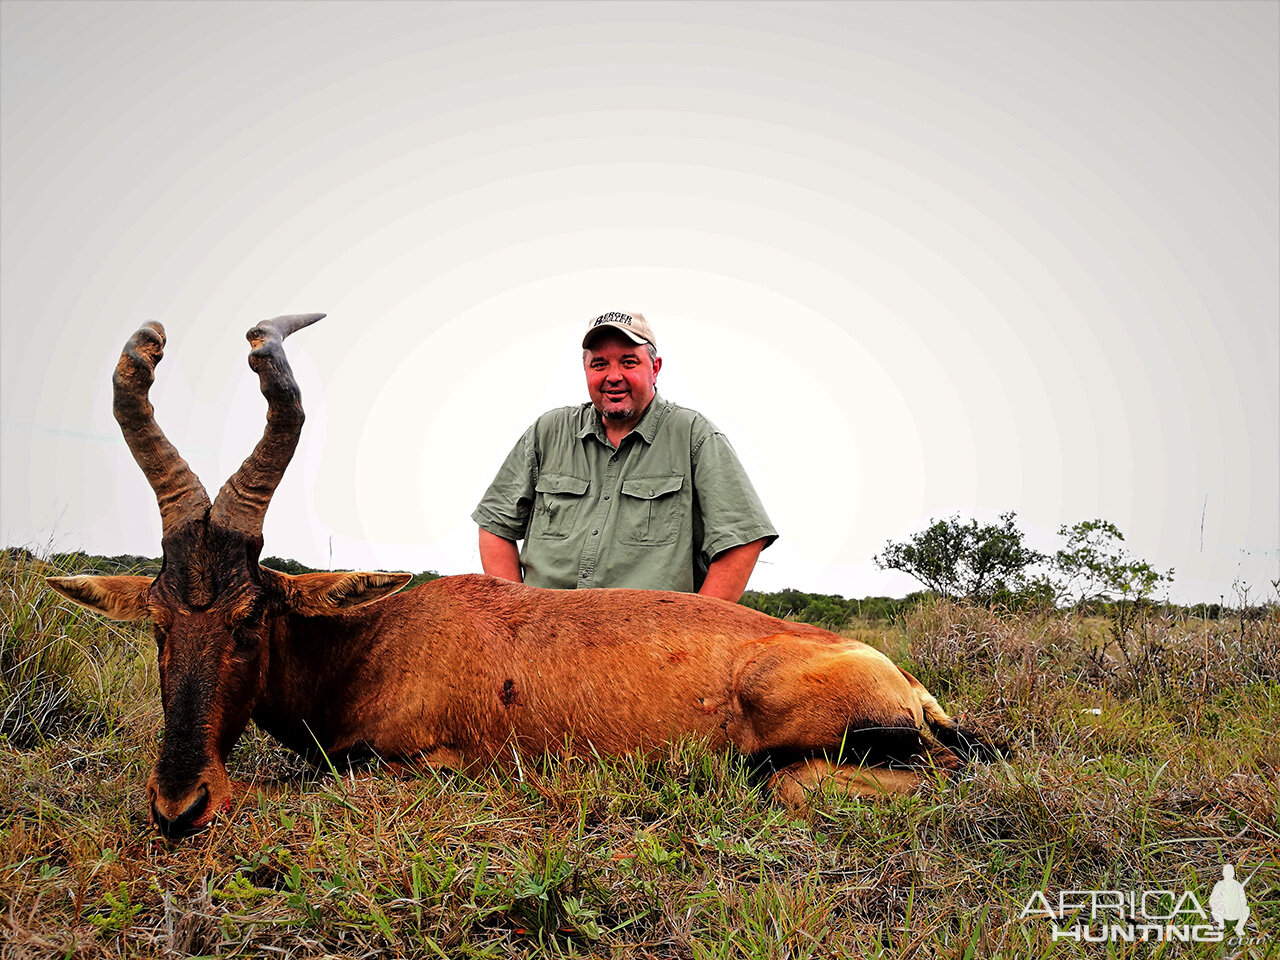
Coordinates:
x,y
1176,773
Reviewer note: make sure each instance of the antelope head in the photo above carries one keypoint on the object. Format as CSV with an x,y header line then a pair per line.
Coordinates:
x,y
212,606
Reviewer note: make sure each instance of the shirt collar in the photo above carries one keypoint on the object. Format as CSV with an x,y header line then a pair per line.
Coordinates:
x,y
646,429
648,425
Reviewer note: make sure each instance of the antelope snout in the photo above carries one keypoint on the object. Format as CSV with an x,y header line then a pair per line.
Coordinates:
x,y
178,814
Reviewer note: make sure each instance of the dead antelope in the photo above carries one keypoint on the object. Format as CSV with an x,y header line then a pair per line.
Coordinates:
x,y
467,672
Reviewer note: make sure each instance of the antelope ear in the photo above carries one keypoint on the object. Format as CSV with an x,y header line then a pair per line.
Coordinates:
x,y
316,594
120,598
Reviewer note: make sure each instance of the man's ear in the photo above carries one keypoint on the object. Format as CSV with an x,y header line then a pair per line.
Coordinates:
x,y
316,594
120,598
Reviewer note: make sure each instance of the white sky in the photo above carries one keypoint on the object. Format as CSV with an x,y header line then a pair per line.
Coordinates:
x,y
913,259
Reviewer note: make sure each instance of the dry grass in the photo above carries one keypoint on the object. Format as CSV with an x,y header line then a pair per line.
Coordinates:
x,y
679,856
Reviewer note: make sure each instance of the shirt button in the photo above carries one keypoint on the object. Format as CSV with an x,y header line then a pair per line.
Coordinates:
x,y
606,496
595,533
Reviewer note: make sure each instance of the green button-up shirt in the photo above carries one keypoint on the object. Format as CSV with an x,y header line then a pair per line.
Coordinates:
x,y
652,513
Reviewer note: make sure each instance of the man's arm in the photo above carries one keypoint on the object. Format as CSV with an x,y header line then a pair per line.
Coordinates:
x,y
735,526
503,512
727,575
500,558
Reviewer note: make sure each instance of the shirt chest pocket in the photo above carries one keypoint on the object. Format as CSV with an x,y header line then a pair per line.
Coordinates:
x,y
557,505
649,510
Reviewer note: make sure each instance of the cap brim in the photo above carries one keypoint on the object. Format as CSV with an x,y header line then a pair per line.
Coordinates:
x,y
594,331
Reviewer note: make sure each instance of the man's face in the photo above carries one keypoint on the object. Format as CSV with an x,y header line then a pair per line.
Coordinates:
x,y
620,376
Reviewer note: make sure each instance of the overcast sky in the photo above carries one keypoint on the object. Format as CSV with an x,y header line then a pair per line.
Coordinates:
x,y
913,259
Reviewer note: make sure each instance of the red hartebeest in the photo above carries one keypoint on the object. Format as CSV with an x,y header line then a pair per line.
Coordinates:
x,y
466,671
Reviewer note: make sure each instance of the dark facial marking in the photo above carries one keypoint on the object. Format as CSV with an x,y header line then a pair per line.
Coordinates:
x,y
185,753
209,574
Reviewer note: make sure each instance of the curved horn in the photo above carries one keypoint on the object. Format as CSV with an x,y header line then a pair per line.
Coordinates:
x,y
180,493
242,502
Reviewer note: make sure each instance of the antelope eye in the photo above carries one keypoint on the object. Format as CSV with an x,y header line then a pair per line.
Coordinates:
x,y
246,642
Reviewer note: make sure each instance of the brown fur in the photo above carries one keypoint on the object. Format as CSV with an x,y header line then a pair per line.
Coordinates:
x,y
466,672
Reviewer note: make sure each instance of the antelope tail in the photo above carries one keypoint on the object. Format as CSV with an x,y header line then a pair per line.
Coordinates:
x,y
967,744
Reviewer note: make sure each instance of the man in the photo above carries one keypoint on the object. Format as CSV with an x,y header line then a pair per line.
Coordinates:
x,y
625,491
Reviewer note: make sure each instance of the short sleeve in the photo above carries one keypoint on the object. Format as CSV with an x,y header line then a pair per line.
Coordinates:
x,y
505,507
730,510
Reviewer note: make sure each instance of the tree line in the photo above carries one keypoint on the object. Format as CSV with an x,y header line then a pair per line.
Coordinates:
x,y
952,558
78,561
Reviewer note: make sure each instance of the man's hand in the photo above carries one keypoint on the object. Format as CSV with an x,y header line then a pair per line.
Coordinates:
x,y
500,558
728,573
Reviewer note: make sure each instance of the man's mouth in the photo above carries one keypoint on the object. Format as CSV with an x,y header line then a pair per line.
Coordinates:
x,y
616,395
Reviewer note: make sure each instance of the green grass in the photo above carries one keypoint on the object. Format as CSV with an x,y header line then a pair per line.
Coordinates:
x,y
674,856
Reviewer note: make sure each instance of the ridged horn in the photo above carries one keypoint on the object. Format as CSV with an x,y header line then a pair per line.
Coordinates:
x,y
242,502
179,492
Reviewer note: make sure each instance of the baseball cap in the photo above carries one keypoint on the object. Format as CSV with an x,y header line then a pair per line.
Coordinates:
x,y
633,324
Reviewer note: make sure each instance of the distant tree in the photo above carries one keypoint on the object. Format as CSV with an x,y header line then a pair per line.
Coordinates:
x,y
955,558
293,567
827,611
426,576
787,602
824,609
130,563
885,609
1094,565
284,565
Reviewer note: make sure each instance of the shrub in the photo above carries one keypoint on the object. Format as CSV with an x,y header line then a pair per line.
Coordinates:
x,y
1094,565
957,559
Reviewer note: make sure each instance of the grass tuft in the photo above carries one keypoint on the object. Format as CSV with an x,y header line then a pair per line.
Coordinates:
x,y
60,666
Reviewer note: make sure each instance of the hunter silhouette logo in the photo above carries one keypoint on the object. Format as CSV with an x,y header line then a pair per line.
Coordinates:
x,y
1227,902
